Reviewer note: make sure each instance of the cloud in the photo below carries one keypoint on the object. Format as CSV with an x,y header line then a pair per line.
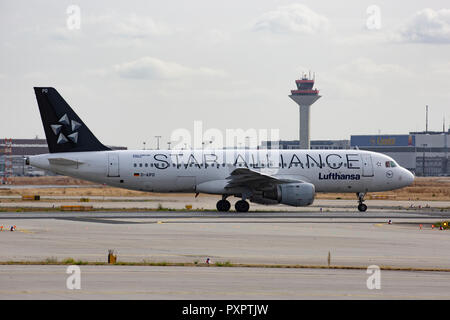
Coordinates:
x,y
362,78
131,26
216,36
368,67
154,68
441,68
292,19
139,26
35,75
427,26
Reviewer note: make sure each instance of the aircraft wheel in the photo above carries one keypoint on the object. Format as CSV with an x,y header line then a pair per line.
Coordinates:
x,y
223,205
242,206
362,207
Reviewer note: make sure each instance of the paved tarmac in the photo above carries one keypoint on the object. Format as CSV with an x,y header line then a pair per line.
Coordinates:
x,y
208,202
125,282
306,238
267,238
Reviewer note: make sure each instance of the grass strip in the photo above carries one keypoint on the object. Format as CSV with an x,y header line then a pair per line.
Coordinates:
x,y
70,261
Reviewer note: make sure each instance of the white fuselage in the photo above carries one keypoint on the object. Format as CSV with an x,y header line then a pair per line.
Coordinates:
x,y
207,171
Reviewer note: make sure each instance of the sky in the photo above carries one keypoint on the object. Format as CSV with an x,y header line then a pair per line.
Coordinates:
x,y
138,69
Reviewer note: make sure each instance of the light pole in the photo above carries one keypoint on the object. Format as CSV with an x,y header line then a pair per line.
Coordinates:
x,y
157,144
423,159
144,145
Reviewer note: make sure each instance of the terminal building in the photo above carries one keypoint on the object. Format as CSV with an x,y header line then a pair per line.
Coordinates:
x,y
424,153
314,144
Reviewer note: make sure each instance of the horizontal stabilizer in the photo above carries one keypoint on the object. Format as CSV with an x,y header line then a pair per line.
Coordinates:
x,y
64,162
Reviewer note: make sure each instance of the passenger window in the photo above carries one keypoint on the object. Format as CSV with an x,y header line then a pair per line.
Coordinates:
x,y
140,165
146,165
135,165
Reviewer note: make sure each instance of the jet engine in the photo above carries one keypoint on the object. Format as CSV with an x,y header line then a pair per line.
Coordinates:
x,y
292,194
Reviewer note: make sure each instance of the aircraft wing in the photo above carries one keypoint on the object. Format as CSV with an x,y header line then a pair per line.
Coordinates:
x,y
245,177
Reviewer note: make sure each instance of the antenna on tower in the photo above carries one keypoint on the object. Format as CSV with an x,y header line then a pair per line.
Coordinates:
x,y
426,120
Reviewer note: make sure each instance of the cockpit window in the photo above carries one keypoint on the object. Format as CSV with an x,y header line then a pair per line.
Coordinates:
x,y
390,164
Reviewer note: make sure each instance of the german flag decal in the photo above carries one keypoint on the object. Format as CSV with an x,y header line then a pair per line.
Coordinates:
x,y
136,174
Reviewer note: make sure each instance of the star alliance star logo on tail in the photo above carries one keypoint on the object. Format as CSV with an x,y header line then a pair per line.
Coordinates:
x,y
71,124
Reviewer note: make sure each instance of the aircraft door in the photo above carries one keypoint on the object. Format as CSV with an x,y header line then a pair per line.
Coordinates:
x,y
367,167
113,165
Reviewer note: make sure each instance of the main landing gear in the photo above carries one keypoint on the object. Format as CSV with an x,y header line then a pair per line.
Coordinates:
x,y
224,205
361,206
241,206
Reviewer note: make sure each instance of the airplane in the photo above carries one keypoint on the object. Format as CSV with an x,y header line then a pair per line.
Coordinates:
x,y
272,176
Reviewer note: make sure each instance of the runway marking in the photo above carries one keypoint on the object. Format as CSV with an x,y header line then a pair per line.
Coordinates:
x,y
19,230
25,231
194,293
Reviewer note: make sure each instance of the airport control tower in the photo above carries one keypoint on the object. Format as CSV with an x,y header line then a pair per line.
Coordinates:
x,y
304,96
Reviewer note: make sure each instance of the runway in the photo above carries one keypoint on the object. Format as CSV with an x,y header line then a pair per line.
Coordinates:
x,y
261,237
116,212
191,283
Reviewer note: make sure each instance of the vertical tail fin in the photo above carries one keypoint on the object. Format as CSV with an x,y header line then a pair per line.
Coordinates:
x,y
64,130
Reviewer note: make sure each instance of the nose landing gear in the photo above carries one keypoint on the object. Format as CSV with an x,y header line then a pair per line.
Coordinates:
x,y
361,206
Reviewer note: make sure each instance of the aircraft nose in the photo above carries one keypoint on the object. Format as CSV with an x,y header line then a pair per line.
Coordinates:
x,y
408,177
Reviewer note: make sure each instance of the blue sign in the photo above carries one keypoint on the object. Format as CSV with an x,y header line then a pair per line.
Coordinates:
x,y
404,140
